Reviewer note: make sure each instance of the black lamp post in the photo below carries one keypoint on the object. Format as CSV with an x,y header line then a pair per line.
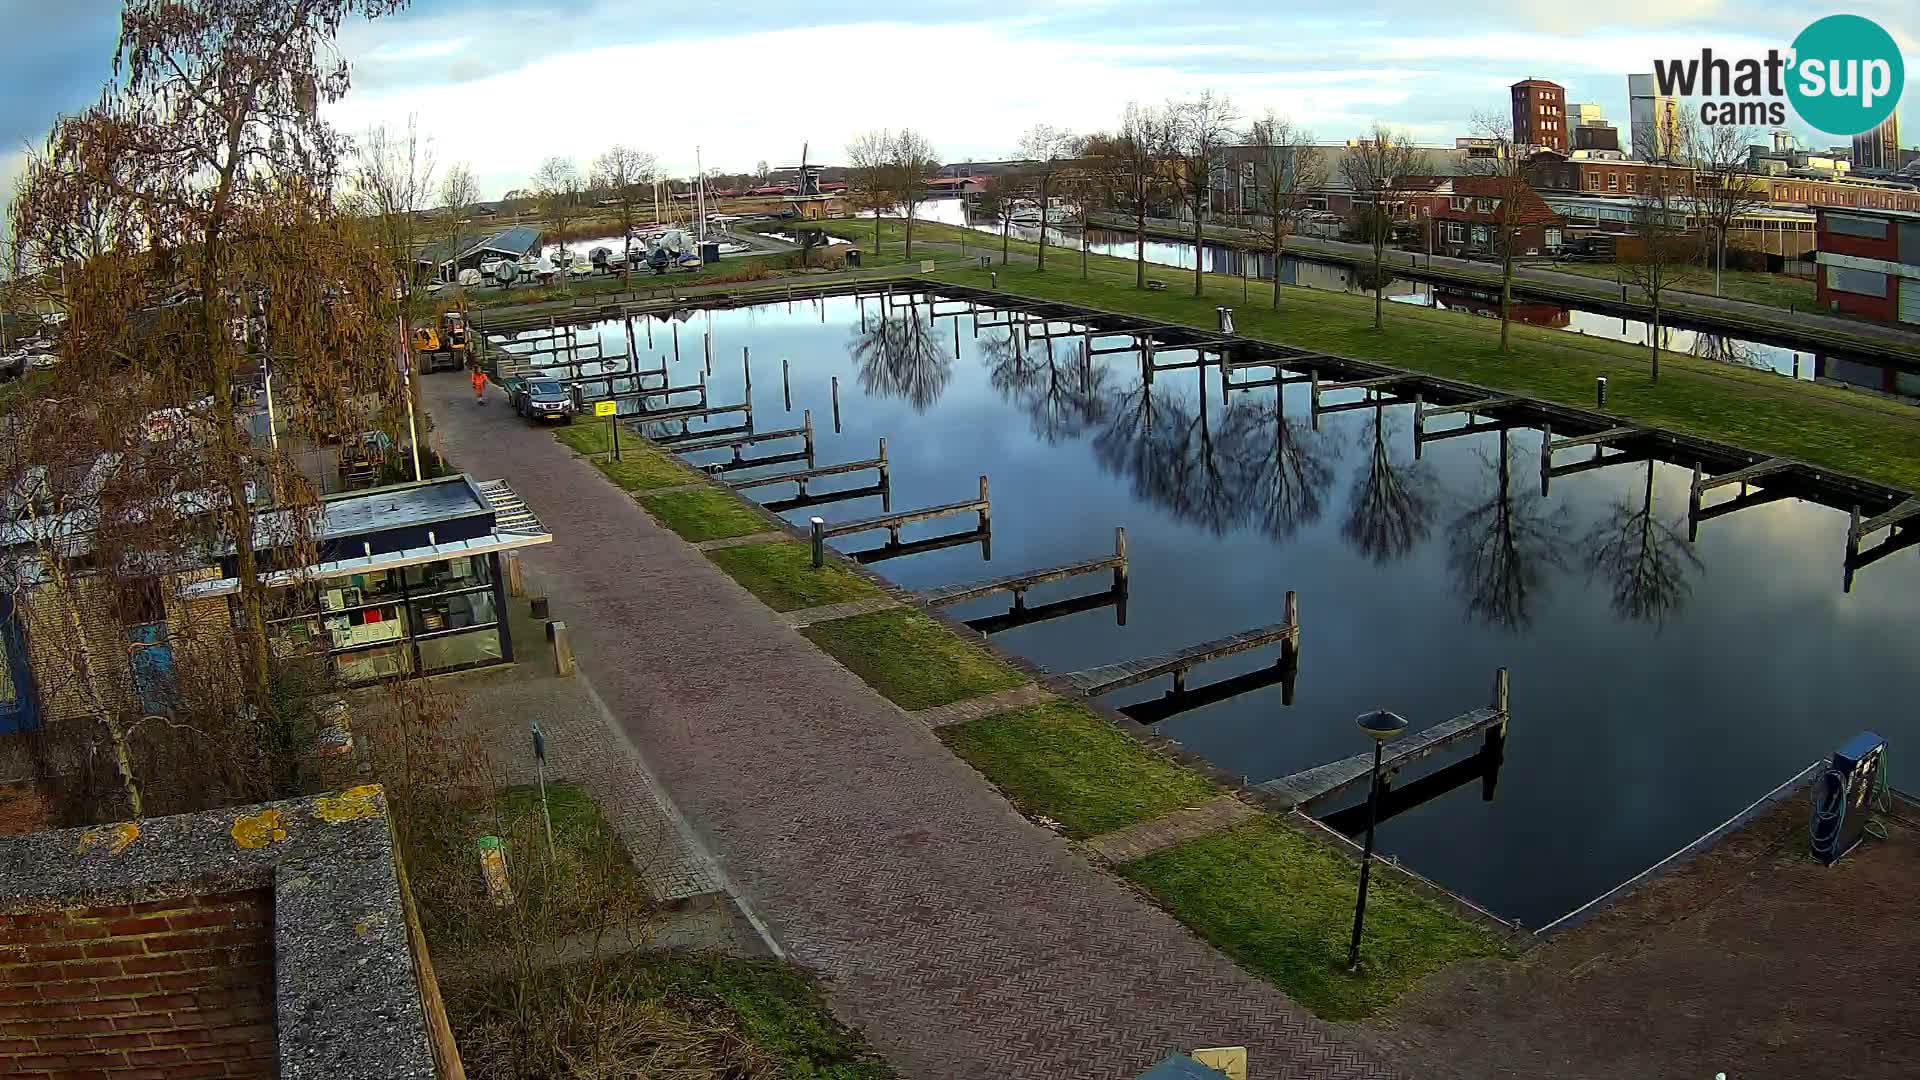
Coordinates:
x,y
1381,725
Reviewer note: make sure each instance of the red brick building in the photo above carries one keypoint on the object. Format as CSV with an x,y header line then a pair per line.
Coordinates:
x,y
1464,214
1597,176
1540,114
1870,264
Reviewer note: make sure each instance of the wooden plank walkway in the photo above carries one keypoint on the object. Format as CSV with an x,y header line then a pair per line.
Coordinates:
x,y
1423,411
1308,787
804,476
1704,484
1187,823
892,522
1094,682
1613,434
1861,529
1019,583
1362,384
735,441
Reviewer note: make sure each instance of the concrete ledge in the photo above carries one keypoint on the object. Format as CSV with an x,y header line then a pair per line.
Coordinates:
x,y
347,990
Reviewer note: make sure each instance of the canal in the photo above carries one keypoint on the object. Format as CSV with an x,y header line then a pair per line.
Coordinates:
x,y
1658,686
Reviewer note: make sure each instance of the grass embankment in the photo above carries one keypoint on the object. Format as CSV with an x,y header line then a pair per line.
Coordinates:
x,y
1281,903
914,661
781,574
642,466
1861,434
1057,760
705,515
635,1012
1784,291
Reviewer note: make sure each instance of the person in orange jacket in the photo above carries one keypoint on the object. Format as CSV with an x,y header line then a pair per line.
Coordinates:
x,y
479,385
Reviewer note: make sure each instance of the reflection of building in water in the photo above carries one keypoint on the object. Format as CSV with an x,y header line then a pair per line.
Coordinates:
x,y
1531,313
1879,377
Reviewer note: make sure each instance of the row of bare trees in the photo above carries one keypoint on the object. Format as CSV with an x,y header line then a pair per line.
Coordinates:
x,y
890,170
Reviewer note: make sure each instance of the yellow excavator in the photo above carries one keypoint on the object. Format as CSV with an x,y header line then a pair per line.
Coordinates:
x,y
442,346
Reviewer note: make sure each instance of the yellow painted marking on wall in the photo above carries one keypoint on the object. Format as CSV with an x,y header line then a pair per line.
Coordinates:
x,y
353,804
258,830
116,837
1231,1060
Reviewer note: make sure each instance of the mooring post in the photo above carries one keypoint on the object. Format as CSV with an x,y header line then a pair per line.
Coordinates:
x,y
1796,365
516,583
746,369
562,647
1496,740
1693,506
1546,458
836,404
1853,534
1600,391
956,339
819,528
1313,396
806,429
1290,614
649,331
786,382
886,479
706,346
986,507
1120,554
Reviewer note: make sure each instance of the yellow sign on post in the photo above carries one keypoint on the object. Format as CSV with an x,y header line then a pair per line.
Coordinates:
x,y
1231,1060
603,408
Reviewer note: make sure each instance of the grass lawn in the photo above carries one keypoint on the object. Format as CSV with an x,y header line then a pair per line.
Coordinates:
x,y
1855,433
1060,761
782,575
1281,904
705,515
911,659
645,282
588,437
642,468
1783,291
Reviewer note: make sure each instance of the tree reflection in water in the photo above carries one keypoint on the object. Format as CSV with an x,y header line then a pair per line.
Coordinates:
x,y
1646,561
900,356
1062,392
1389,513
1726,350
1252,466
1501,549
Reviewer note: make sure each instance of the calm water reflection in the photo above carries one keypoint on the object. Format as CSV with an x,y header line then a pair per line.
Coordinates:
x,y
1658,686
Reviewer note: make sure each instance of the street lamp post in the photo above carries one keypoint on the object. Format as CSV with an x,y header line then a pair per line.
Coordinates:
x,y
1381,725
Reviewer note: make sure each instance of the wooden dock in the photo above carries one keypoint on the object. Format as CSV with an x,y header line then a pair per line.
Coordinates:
x,y
1014,618
892,522
803,477
1312,787
739,441
1094,682
1599,440
1019,583
1372,386
1154,710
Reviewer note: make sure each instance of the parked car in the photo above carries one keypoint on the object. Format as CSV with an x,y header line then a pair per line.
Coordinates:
x,y
541,400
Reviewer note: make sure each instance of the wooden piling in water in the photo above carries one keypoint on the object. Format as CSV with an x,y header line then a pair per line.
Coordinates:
x,y
1290,615
746,368
836,404
706,346
986,508
676,342
1120,553
786,382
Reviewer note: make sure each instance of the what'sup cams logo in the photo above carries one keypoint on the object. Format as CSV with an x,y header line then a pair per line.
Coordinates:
x,y
1843,75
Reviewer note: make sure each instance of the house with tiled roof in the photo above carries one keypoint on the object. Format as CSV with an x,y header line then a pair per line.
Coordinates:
x,y
1464,214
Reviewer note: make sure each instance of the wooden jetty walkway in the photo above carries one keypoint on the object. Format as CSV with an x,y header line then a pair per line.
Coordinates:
x,y
801,478
1599,440
1312,787
1019,583
738,441
1094,682
892,522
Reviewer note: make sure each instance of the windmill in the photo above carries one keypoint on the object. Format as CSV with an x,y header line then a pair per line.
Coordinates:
x,y
809,175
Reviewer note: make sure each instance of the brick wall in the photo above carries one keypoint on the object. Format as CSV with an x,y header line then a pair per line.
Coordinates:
x,y
165,990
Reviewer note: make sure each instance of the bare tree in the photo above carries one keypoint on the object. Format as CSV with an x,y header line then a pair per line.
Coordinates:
x,y
390,183
911,165
1200,131
1377,168
558,181
1288,169
1506,179
459,191
627,175
1002,191
210,162
1723,190
870,156
1133,162
1659,253
1048,150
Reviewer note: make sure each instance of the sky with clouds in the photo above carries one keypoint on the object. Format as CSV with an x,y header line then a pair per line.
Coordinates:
x,y
502,84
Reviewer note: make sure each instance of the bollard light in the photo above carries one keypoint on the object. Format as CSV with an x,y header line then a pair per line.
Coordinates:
x,y
1380,725
1600,391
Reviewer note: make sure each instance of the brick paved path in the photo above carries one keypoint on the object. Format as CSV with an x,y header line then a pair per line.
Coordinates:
x,y
966,941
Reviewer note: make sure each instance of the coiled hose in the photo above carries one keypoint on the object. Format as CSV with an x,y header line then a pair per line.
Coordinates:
x,y
1823,819
1829,807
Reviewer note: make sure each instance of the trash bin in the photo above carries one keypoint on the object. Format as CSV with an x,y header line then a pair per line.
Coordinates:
x,y
853,257
710,252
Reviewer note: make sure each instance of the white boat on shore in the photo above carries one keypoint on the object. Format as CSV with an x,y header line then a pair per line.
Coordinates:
x,y
1058,212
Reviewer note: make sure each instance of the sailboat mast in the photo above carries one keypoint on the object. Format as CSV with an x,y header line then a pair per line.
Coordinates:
x,y
700,198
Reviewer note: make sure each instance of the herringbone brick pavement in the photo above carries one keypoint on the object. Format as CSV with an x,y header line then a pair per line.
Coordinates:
x,y
965,941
